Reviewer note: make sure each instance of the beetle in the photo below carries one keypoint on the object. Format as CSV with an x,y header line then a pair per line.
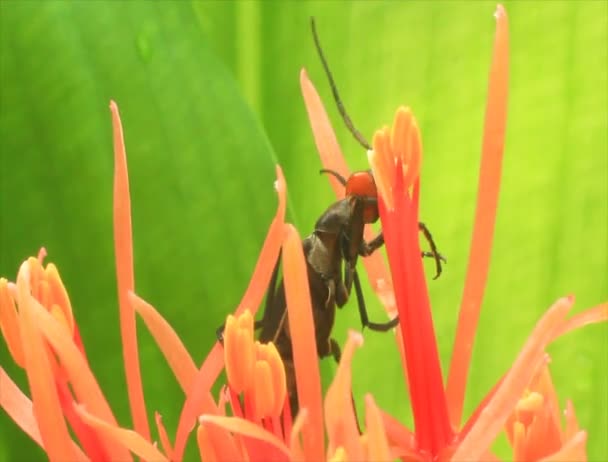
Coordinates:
x,y
331,252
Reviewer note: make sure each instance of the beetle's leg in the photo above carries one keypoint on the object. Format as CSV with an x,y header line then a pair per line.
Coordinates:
x,y
436,255
375,326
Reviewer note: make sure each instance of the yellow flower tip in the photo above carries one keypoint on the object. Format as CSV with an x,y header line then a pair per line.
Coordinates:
x,y
239,350
339,454
9,323
398,145
269,383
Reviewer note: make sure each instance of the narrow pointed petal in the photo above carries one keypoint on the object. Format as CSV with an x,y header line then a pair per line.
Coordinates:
x,y
377,443
325,138
198,398
164,438
123,247
342,429
9,324
485,217
129,439
18,407
495,414
79,374
47,409
301,327
174,351
593,315
246,428
294,435
575,449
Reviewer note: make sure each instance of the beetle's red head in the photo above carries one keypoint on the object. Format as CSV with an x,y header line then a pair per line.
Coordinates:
x,y
361,184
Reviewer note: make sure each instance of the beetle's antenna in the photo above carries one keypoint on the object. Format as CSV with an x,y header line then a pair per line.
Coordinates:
x,y
349,123
339,177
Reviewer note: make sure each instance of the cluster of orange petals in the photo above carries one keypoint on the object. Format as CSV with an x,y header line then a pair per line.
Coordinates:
x,y
68,415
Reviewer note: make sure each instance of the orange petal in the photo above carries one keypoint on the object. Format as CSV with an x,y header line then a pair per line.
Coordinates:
x,y
342,429
19,408
47,409
180,362
246,428
162,434
325,138
123,246
593,315
79,374
573,450
485,217
301,327
9,324
239,351
123,437
205,445
493,417
572,426
294,437
198,399
377,443
59,294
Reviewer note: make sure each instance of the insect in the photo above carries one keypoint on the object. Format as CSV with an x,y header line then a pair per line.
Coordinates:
x,y
331,252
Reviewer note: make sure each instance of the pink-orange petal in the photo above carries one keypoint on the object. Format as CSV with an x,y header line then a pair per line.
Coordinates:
x,y
123,247
205,445
246,428
294,436
593,315
123,437
301,327
377,442
199,394
573,450
59,294
342,429
485,217
163,436
502,403
325,138
79,374
9,324
178,358
18,407
47,409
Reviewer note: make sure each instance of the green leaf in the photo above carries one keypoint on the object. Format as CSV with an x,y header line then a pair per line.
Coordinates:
x,y
201,173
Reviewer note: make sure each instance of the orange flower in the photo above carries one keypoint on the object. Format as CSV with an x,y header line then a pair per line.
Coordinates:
x,y
41,332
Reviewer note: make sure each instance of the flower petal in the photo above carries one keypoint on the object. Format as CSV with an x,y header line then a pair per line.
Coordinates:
x,y
301,327
342,428
79,374
162,434
593,315
9,324
178,358
47,409
129,439
573,450
325,138
246,428
494,415
198,398
485,217
123,246
377,443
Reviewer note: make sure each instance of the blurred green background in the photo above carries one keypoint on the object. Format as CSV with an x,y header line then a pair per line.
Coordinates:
x,y
210,101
